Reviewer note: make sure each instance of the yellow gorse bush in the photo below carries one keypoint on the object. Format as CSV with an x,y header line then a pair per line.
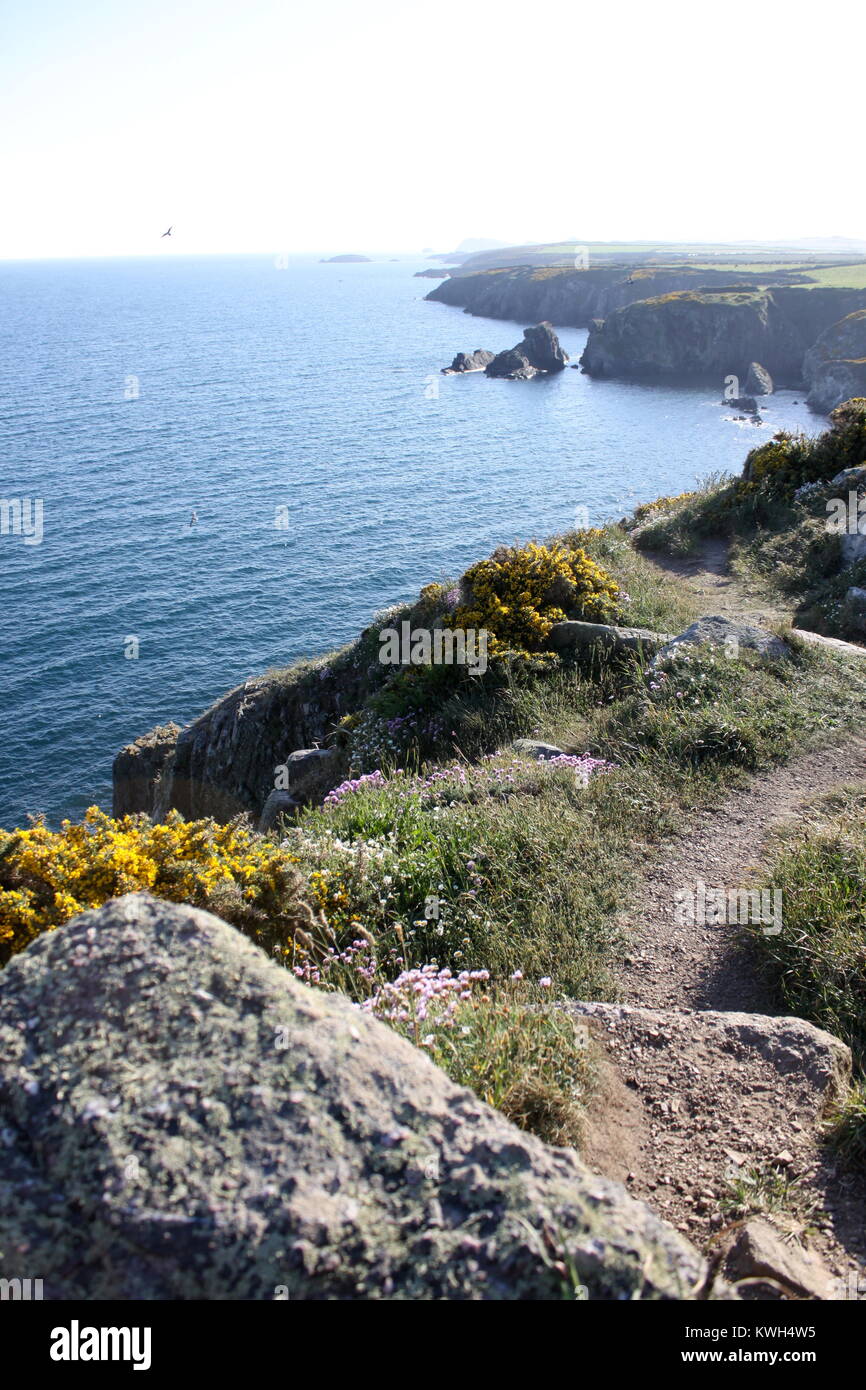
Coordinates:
x,y
770,462
48,876
662,504
520,592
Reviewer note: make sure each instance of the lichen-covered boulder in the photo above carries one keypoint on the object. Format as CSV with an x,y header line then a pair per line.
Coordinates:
x,y
181,1119
718,631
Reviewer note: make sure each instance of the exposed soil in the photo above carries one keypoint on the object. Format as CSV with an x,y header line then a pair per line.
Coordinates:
x,y
707,577
683,966
685,1111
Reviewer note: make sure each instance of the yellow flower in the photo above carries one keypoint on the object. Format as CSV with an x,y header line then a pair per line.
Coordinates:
x,y
513,595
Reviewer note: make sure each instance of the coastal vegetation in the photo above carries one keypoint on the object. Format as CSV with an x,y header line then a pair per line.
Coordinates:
x,y
775,517
817,963
454,882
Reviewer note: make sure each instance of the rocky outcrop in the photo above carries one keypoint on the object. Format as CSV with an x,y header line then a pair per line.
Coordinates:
x,y
138,768
469,362
718,631
305,776
542,347
228,761
534,748
182,1119
604,636
432,274
758,381
709,335
511,365
835,368
538,351
816,1064
691,1102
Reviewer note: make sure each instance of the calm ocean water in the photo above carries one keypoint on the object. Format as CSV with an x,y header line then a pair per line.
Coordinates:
x,y
133,393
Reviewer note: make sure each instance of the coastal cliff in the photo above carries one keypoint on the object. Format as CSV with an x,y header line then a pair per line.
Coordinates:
x,y
224,763
703,335
567,297
835,368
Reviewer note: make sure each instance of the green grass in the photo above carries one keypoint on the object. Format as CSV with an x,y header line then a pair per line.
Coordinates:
x,y
528,868
851,276
761,1189
819,958
817,963
529,1062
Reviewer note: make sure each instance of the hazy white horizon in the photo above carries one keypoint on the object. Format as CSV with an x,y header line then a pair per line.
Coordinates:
x,y
382,129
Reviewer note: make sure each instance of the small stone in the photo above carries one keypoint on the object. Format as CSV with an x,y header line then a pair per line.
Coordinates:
x,y
785,1159
756,1250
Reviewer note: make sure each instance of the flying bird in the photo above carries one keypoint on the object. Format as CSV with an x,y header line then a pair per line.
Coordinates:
x,y
168,233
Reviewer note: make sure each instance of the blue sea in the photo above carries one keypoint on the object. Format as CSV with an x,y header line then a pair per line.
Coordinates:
x,y
297,409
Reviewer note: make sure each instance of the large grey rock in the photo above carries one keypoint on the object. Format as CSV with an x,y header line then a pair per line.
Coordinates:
x,y
564,635
513,365
534,748
718,631
851,479
835,644
307,764
794,1047
182,1119
758,381
304,776
279,803
543,349
853,548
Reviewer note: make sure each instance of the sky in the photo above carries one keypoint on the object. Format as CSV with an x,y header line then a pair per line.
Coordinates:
x,y
259,126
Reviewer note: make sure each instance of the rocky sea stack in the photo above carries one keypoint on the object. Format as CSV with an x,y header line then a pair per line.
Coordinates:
x,y
469,362
537,352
